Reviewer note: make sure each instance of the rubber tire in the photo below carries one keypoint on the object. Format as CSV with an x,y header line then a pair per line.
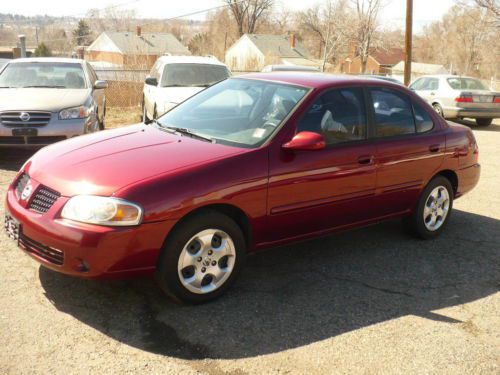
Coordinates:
x,y
484,121
415,222
145,119
439,110
101,123
166,271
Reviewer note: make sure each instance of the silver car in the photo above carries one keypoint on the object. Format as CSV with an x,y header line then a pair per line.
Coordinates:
x,y
456,97
45,100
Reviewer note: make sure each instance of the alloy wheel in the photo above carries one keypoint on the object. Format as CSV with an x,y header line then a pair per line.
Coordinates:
x,y
206,261
436,208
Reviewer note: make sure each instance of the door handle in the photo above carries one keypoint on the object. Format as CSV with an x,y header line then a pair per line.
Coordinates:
x,y
434,148
365,159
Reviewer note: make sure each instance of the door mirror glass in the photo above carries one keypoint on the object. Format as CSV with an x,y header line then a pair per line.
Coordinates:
x,y
152,81
99,84
304,141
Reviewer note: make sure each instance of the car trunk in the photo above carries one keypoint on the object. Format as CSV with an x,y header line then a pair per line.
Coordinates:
x,y
478,99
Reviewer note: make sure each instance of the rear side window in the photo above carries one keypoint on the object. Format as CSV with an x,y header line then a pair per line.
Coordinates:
x,y
338,115
393,113
423,120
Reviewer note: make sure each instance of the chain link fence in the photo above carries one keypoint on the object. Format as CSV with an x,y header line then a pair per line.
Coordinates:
x,y
124,86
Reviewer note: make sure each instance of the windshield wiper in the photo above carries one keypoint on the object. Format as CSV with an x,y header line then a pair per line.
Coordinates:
x,y
44,87
184,131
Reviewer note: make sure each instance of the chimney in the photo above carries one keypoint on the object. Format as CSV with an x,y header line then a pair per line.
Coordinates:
x,y
293,41
138,31
80,52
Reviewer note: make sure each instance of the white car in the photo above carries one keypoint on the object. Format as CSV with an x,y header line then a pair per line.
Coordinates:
x,y
459,97
173,79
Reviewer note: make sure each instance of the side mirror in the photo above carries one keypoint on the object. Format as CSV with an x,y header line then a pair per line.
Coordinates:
x,y
99,84
305,141
151,81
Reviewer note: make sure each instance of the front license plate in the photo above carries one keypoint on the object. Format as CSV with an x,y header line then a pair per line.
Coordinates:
x,y
30,132
12,227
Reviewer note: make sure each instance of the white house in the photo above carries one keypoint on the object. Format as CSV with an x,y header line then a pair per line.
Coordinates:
x,y
417,70
253,51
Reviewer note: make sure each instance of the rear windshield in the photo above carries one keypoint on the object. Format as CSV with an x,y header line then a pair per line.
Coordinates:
x,y
43,75
466,84
195,75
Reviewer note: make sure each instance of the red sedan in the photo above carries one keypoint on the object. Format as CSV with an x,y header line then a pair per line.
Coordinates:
x,y
249,163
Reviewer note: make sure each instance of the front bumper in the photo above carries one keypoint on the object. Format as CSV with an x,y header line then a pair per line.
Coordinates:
x,y
56,130
89,251
456,112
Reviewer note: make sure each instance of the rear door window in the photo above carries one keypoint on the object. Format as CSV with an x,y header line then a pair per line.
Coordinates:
x,y
423,120
393,113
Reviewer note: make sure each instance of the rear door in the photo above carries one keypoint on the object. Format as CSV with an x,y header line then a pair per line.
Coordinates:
x,y
409,149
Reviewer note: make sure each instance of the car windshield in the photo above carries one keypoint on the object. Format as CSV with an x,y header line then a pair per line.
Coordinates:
x,y
195,75
43,75
240,112
460,83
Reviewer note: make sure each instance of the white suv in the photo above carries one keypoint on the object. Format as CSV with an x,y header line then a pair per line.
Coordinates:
x,y
173,79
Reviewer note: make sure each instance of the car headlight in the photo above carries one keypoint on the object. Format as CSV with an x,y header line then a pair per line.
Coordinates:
x,y
102,210
75,113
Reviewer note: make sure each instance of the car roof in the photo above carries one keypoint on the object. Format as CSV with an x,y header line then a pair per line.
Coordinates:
x,y
315,80
190,60
446,76
47,59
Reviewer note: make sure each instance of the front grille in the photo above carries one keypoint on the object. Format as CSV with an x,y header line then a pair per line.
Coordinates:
x,y
21,184
35,119
44,140
43,200
39,140
46,252
11,140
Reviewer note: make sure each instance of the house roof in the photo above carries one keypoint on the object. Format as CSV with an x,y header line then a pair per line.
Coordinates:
x,y
277,45
129,43
389,56
420,68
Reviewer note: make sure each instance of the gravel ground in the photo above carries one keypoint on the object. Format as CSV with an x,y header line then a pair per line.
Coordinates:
x,y
369,301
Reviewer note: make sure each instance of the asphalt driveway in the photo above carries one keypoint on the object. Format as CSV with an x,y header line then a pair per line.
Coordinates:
x,y
368,301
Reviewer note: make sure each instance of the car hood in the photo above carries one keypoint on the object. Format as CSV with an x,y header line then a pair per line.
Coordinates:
x,y
176,94
40,99
105,162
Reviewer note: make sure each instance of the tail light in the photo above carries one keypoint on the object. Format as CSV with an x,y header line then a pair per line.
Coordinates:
x,y
497,99
464,99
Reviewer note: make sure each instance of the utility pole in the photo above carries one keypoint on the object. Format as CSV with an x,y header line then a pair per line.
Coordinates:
x,y
408,41
36,35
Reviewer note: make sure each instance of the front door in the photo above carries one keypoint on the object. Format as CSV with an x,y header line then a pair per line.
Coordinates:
x,y
314,191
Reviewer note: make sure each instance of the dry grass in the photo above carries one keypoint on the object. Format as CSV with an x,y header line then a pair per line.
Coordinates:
x,y
121,116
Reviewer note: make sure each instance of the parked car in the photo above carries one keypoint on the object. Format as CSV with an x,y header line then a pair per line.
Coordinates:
x,y
457,97
173,79
252,162
289,68
385,78
45,100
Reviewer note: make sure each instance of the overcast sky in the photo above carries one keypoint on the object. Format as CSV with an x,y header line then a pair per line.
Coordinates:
x,y
393,14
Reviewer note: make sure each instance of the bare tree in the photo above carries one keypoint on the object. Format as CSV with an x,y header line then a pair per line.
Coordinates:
x,y
330,22
491,5
367,14
247,13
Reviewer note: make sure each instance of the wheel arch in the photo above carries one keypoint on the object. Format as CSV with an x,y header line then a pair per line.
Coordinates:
x,y
451,176
234,212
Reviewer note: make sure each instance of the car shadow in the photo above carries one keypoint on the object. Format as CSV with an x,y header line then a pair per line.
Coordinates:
x,y
300,294
12,159
472,124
